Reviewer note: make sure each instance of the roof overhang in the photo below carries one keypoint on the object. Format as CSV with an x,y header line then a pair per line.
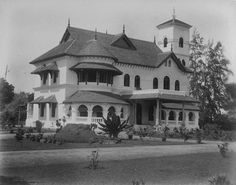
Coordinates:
x,y
180,106
52,67
96,66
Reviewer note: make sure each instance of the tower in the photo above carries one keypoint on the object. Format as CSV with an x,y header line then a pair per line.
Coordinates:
x,y
174,35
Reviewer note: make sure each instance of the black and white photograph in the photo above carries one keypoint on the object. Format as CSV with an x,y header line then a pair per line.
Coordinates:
x,y
115,92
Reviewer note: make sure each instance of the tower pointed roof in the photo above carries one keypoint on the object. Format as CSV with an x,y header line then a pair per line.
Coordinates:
x,y
94,48
173,21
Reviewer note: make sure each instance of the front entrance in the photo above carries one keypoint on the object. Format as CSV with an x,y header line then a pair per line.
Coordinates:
x,y
139,114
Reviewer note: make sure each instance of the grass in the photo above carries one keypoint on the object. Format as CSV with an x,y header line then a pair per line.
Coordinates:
x,y
10,144
171,170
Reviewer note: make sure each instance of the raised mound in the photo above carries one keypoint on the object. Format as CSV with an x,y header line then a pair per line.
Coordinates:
x,y
77,133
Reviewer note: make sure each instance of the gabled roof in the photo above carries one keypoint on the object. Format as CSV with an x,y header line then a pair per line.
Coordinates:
x,y
94,97
122,41
173,22
50,99
93,65
75,39
38,100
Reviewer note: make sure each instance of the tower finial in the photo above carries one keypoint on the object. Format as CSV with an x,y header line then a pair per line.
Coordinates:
x,y
95,34
154,39
106,31
173,16
68,22
123,28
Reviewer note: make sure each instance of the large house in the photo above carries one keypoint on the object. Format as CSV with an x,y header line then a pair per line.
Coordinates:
x,y
90,74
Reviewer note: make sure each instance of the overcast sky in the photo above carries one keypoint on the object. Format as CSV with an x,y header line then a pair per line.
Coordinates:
x,y
29,27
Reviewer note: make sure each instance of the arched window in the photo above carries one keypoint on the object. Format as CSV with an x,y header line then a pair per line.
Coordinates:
x,y
111,111
155,83
181,42
190,116
121,113
166,82
83,111
177,85
183,62
151,113
137,82
165,42
171,115
69,111
97,111
126,80
169,64
180,116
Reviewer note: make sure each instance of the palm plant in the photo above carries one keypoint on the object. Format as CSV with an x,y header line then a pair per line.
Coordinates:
x,y
113,126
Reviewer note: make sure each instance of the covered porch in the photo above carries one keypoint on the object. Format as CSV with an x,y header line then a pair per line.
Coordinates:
x,y
165,109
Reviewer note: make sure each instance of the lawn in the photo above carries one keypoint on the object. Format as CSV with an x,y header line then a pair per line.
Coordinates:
x,y
168,170
10,144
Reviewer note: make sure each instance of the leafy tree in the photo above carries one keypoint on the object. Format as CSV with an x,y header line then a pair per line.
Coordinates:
x,y
15,110
113,126
210,73
6,93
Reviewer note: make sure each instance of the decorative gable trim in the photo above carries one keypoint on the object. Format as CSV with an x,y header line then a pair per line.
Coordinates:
x,y
123,42
66,36
176,60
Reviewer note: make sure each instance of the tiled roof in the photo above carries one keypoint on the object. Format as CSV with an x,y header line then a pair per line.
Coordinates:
x,y
94,97
49,67
75,40
173,22
38,99
180,106
92,65
160,96
50,99
94,48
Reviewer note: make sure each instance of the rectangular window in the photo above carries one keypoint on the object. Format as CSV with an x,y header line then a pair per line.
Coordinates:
x,y
45,75
42,107
53,113
55,77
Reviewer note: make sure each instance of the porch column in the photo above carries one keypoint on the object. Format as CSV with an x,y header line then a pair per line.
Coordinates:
x,y
134,112
49,79
196,118
183,111
186,118
47,111
90,112
105,111
73,113
177,117
157,112
167,116
36,112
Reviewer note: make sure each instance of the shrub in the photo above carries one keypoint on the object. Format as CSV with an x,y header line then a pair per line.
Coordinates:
x,y
219,180
198,135
19,135
138,182
39,126
78,133
164,133
223,149
113,126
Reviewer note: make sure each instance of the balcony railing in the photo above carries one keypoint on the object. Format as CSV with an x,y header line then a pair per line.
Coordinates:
x,y
156,91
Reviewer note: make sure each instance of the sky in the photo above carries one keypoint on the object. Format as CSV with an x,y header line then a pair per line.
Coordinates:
x,y
29,28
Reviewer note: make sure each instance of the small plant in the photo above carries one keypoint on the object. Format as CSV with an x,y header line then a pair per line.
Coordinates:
x,y
164,133
219,180
93,160
130,132
223,149
113,126
93,126
39,126
138,182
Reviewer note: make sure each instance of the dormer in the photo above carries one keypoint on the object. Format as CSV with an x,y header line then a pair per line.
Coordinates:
x,y
122,41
